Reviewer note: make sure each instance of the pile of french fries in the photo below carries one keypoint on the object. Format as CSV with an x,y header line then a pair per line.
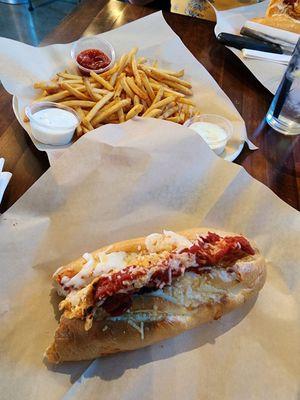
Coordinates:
x,y
129,88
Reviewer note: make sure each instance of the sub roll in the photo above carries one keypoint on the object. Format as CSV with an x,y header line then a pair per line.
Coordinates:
x,y
137,292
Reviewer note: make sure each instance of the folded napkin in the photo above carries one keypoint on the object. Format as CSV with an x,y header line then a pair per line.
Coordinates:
x,y
275,33
264,56
4,178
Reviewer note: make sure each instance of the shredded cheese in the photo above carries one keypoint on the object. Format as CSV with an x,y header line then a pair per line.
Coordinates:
x,y
167,241
140,329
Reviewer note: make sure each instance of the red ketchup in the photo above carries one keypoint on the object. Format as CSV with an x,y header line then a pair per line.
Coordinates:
x,y
93,59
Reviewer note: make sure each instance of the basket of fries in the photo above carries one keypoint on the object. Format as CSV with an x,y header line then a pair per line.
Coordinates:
x,y
132,87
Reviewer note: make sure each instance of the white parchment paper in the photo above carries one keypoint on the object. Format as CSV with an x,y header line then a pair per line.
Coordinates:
x,y
231,21
21,65
129,180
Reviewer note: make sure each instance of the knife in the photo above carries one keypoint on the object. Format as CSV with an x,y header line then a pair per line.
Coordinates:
x,y
286,47
242,42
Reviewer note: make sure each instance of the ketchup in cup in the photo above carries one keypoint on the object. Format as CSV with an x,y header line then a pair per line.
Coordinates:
x,y
93,53
93,59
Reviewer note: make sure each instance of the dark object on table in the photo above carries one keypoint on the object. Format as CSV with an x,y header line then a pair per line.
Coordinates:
x,y
286,47
157,4
241,42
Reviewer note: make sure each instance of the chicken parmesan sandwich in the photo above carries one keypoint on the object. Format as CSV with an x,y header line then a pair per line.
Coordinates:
x,y
140,291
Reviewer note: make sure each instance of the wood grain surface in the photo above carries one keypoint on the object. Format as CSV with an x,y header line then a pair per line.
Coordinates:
x,y
277,161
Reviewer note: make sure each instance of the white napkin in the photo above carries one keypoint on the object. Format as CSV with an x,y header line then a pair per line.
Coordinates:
x,y
4,179
265,56
285,36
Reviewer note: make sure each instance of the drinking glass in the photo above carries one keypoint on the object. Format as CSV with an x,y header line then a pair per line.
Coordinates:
x,y
284,112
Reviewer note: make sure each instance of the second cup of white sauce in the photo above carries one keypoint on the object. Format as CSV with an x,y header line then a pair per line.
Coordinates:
x,y
51,123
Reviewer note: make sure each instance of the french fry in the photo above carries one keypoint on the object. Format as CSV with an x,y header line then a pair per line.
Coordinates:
x,y
109,72
154,113
115,108
168,113
177,74
178,87
80,112
133,86
134,111
174,119
79,131
170,105
72,81
184,100
136,100
135,71
113,79
102,81
104,108
131,54
85,129
142,60
90,90
147,86
181,117
79,103
122,63
54,97
121,115
145,105
126,87
69,76
100,91
161,76
98,106
74,91
167,91
88,124
159,95
159,104
46,86
118,89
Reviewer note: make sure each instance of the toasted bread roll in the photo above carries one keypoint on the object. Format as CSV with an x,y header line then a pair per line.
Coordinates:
x,y
185,302
282,14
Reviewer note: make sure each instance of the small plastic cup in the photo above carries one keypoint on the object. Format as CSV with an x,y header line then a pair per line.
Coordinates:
x,y
60,134
93,42
217,144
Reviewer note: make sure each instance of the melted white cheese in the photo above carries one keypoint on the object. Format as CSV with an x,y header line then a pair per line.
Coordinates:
x,y
169,240
83,277
107,262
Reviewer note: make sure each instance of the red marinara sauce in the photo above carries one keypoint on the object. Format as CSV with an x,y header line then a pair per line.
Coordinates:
x,y
93,59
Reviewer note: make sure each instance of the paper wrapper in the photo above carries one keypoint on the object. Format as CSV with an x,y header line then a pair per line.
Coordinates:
x,y
21,65
125,181
231,21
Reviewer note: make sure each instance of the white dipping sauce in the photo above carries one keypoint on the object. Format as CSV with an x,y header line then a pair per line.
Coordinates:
x,y
53,126
214,135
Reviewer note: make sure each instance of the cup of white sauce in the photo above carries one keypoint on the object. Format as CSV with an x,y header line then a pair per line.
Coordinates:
x,y
214,129
52,123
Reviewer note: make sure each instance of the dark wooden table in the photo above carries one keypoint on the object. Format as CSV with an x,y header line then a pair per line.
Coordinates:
x,y
276,163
